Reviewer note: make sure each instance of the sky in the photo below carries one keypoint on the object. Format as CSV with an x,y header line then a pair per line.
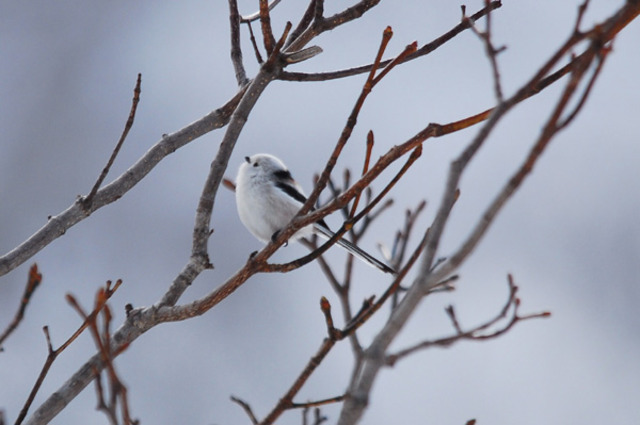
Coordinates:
x,y
570,236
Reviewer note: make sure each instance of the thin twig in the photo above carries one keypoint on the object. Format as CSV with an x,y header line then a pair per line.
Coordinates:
x,y
254,43
102,339
323,402
256,15
33,281
88,200
236,50
365,168
247,409
422,51
285,401
585,93
476,333
265,24
321,24
304,23
490,49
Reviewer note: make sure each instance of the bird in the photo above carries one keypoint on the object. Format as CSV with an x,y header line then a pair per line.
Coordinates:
x,y
267,198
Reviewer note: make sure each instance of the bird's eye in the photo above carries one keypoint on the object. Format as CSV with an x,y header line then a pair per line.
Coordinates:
x,y
255,164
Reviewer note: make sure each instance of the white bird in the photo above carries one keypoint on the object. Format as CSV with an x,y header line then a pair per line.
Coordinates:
x,y
267,198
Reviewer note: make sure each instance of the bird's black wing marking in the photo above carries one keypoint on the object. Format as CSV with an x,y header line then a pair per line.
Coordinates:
x,y
290,190
285,175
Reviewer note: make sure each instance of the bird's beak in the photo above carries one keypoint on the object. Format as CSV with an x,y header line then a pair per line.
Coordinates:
x,y
246,158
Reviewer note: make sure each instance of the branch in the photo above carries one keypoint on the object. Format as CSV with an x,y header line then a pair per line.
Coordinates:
x,y
247,409
59,224
334,335
256,15
362,382
551,128
286,401
422,51
88,200
102,339
321,24
477,333
236,50
265,23
33,281
490,50
53,354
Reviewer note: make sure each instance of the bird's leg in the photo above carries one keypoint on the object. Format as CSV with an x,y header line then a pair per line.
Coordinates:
x,y
275,236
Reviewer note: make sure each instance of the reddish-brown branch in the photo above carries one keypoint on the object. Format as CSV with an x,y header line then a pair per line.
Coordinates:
x,y
304,23
490,49
422,51
365,168
53,354
286,402
102,339
33,281
365,313
265,24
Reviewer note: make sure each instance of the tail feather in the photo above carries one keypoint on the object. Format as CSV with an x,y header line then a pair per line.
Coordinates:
x,y
354,250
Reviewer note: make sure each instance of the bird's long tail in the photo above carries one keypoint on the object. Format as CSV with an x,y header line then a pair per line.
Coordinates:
x,y
354,250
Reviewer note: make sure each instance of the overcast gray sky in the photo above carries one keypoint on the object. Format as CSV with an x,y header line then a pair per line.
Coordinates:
x,y
570,237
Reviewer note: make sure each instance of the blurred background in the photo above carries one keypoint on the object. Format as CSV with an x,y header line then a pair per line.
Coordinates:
x,y
570,236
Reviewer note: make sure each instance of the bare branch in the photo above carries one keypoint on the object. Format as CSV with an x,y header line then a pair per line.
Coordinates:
x,y
422,51
140,320
510,309
305,21
58,225
551,128
102,339
321,24
365,168
247,409
53,354
315,403
265,24
362,382
236,50
256,15
491,50
88,200
286,401
33,281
